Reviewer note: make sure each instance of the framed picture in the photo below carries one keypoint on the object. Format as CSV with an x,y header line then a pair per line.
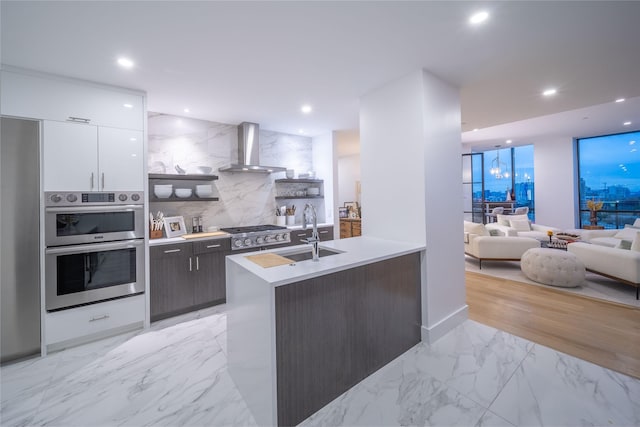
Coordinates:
x,y
343,212
352,208
174,226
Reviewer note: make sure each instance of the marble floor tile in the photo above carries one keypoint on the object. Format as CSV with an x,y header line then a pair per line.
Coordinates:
x,y
400,393
175,373
475,359
551,388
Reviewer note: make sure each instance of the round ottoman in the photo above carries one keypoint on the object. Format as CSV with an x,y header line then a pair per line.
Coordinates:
x,y
553,267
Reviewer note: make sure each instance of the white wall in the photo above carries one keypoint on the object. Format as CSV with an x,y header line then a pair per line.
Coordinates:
x,y
324,165
349,174
554,175
411,185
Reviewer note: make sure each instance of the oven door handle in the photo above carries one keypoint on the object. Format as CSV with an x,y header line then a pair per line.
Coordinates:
x,y
125,244
81,209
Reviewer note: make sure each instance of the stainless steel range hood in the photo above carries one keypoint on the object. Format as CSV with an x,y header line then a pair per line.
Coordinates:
x,y
249,151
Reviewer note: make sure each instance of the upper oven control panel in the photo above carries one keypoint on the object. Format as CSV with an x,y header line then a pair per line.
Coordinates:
x,y
57,198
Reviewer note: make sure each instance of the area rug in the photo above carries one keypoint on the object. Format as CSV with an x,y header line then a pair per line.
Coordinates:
x,y
595,286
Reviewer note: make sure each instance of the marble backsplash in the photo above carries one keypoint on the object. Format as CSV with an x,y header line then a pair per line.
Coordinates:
x,y
244,198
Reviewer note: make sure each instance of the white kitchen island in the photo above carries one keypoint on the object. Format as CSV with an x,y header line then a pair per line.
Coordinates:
x,y
301,334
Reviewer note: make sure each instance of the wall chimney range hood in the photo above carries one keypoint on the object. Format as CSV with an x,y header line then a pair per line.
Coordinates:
x,y
249,151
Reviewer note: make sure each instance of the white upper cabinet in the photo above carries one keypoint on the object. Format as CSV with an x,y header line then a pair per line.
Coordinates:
x,y
80,157
60,99
70,157
120,159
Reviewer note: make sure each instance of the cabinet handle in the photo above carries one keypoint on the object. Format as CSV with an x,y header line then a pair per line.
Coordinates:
x,y
197,263
212,246
103,317
103,180
324,232
302,235
91,180
190,265
78,119
169,251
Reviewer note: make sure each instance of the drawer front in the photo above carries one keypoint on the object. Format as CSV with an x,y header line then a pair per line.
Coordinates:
x,y
325,233
298,235
92,319
164,251
212,245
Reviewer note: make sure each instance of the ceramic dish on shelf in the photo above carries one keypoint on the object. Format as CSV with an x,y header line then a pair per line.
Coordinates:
x,y
204,170
204,190
163,191
183,193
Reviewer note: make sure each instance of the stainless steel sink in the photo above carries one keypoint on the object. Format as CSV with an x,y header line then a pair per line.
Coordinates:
x,y
306,254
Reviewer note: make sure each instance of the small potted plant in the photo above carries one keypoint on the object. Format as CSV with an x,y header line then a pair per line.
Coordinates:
x,y
594,207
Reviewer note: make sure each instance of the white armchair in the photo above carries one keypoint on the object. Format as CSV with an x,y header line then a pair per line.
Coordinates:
x,y
479,244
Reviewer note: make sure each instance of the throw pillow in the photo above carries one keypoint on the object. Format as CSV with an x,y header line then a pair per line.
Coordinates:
x,y
636,223
626,234
635,245
475,228
494,232
505,219
520,224
624,244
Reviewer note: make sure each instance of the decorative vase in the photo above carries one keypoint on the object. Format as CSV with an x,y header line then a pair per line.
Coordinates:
x,y
593,218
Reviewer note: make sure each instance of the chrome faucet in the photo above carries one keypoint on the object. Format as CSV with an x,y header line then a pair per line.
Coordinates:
x,y
310,211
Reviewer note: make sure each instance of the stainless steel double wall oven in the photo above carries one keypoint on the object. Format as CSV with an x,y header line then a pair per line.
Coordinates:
x,y
95,247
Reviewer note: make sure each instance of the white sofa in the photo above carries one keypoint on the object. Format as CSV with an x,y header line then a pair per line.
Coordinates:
x,y
479,244
616,238
519,226
619,264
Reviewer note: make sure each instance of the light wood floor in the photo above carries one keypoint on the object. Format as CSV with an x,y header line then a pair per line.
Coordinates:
x,y
604,333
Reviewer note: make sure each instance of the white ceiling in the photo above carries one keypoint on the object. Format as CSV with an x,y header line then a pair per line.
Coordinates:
x,y
259,61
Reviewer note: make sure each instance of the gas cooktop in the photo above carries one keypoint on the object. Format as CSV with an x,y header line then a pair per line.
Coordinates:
x,y
252,229
257,236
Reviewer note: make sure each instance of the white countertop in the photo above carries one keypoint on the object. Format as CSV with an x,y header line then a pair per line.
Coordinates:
x,y
167,240
356,251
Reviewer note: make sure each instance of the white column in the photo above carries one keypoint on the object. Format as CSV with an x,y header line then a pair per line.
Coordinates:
x,y
412,186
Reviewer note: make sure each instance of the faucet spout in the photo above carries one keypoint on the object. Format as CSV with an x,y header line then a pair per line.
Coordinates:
x,y
309,215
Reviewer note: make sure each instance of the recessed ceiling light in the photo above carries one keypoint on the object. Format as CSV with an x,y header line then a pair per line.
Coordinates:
x,y
479,17
509,141
626,123
186,110
550,92
125,62
620,100
475,129
306,109
133,139
301,131
127,105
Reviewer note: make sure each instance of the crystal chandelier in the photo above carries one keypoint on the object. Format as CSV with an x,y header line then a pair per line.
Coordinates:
x,y
498,169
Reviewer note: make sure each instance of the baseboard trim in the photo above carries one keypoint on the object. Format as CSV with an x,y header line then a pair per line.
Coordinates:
x,y
434,332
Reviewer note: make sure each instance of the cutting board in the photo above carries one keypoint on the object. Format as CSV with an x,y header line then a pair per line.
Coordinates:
x,y
269,260
197,235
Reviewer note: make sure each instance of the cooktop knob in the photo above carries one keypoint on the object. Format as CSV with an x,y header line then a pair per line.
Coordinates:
x,y
135,197
238,242
279,237
122,197
56,198
247,242
260,240
269,239
71,198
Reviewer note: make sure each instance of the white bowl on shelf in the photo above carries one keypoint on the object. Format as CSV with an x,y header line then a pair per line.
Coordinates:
x,y
183,193
204,190
204,170
163,191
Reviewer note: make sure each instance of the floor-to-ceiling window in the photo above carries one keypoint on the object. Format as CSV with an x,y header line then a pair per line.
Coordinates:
x,y
498,178
609,178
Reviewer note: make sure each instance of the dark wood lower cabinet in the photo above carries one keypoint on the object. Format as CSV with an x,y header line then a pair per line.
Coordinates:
x,y
187,276
334,330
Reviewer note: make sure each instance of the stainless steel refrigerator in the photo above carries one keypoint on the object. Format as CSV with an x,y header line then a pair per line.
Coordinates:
x,y
19,234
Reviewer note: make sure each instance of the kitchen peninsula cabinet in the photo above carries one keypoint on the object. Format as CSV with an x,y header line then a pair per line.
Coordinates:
x,y
350,228
187,276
